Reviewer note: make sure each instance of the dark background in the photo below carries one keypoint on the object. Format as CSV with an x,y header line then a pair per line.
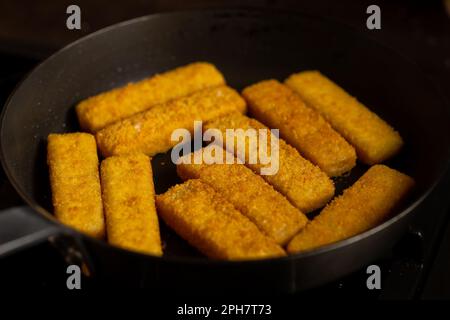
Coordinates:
x,y
420,30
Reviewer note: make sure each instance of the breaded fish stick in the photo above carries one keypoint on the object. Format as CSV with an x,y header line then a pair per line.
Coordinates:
x,y
129,201
373,139
75,183
361,207
279,107
150,132
106,108
301,182
212,225
250,194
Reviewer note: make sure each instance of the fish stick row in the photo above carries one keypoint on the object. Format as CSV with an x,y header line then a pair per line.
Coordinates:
x,y
373,139
301,182
120,205
106,108
150,132
364,205
129,204
131,220
277,106
207,221
251,195
227,211
131,216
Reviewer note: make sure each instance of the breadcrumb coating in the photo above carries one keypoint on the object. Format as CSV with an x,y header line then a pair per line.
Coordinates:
x,y
277,106
373,139
150,132
211,224
362,206
129,201
75,183
301,182
270,211
108,107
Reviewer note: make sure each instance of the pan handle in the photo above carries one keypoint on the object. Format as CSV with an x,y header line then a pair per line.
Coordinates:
x,y
21,227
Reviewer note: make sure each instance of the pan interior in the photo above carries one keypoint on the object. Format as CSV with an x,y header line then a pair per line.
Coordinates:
x,y
247,47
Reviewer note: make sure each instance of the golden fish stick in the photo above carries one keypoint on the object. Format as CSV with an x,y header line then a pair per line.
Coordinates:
x,y
150,132
361,207
75,183
279,107
300,181
212,225
250,194
373,139
129,202
106,108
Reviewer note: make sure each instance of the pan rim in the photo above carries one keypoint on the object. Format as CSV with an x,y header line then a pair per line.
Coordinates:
x,y
193,260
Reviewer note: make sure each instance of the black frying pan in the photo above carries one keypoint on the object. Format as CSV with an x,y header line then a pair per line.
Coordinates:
x,y
247,46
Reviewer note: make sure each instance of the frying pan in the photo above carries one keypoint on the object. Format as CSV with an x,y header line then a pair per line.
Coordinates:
x,y
248,46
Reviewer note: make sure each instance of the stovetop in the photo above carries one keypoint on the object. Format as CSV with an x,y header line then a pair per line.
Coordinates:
x,y
415,268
